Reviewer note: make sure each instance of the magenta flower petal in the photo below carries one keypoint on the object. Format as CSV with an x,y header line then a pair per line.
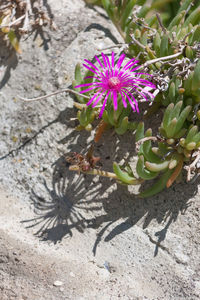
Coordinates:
x,y
133,104
104,104
146,83
91,64
133,70
123,100
94,77
87,90
108,63
95,95
90,69
99,62
115,99
113,60
119,80
104,60
120,61
97,100
87,84
129,99
130,65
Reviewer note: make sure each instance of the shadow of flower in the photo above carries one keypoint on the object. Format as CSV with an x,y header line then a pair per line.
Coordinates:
x,y
79,202
71,201
66,207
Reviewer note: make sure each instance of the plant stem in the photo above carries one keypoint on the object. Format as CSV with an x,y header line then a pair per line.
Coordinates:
x,y
52,94
94,172
152,61
99,131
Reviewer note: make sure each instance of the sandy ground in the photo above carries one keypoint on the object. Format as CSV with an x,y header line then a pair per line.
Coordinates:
x,y
97,239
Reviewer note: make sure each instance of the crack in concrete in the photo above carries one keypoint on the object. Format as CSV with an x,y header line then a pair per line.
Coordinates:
x,y
158,244
12,152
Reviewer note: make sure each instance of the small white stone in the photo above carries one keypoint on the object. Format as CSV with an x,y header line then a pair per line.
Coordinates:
x,y
57,283
72,274
103,273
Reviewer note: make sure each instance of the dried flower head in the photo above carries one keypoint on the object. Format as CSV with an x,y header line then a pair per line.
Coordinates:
x,y
81,162
116,80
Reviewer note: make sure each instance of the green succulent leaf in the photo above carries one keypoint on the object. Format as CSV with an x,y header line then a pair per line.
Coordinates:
x,y
123,176
147,149
171,128
196,78
177,109
158,186
78,76
193,18
192,132
196,138
108,8
126,13
182,118
139,132
156,167
185,5
177,19
191,146
156,43
164,46
167,115
195,36
142,171
123,127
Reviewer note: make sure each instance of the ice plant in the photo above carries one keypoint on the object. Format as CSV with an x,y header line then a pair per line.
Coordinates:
x,y
117,81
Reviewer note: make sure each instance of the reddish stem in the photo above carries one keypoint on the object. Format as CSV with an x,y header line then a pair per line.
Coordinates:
x,y
99,131
175,173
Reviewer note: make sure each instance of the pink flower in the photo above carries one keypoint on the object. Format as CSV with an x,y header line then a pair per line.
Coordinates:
x,y
116,80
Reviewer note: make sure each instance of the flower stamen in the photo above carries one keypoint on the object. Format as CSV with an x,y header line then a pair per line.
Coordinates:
x,y
114,83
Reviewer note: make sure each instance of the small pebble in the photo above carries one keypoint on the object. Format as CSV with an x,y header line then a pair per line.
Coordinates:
x,y
72,274
57,283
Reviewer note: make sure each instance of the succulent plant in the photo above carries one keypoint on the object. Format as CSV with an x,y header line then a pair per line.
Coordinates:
x,y
165,37
116,85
